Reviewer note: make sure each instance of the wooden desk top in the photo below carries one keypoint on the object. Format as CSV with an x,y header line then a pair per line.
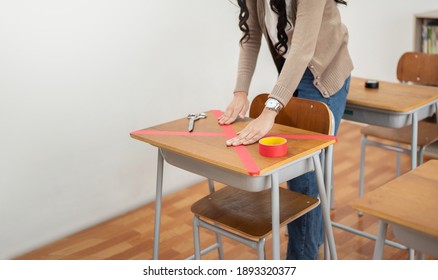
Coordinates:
x,y
410,200
212,149
389,96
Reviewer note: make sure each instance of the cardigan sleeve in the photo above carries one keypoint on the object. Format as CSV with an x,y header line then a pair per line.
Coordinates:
x,y
249,50
303,44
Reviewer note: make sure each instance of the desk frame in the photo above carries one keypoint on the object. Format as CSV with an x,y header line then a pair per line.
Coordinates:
x,y
268,180
394,120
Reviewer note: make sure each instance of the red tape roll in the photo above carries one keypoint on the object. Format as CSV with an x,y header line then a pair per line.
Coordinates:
x,y
273,146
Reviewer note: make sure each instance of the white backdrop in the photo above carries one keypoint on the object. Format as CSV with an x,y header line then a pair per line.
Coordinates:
x,y
77,76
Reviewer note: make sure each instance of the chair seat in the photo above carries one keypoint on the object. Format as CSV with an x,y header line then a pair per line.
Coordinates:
x,y
427,133
249,213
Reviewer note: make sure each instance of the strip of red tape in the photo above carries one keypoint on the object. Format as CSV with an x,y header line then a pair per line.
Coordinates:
x,y
242,152
229,132
304,136
177,133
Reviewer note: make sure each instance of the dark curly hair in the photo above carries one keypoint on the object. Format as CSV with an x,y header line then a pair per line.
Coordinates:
x,y
279,7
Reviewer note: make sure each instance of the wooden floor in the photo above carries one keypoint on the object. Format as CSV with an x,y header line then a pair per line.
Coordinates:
x,y
131,236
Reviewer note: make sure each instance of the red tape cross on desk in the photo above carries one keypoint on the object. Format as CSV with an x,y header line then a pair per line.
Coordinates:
x,y
229,132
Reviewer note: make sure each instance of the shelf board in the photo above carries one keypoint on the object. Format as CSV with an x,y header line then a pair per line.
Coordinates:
x,y
428,15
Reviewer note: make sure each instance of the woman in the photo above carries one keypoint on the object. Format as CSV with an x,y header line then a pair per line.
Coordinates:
x,y
308,43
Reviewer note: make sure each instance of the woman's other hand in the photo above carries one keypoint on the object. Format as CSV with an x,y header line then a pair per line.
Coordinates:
x,y
237,108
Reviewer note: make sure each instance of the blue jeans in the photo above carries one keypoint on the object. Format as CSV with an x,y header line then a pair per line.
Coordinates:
x,y
306,233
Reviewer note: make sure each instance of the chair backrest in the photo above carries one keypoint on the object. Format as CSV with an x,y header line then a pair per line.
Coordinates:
x,y
300,113
419,68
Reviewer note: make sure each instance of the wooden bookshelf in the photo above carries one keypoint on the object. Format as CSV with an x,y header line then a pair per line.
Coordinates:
x,y
422,22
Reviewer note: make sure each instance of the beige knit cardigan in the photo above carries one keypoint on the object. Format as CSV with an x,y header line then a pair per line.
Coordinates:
x,y
319,42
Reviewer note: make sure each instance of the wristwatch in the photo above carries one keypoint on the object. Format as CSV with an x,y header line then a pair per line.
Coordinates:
x,y
273,104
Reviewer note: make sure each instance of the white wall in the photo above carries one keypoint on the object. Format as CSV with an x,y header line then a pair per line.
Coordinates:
x,y
380,32
77,76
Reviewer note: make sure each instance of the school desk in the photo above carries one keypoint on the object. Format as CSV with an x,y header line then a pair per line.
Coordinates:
x,y
392,105
204,152
410,204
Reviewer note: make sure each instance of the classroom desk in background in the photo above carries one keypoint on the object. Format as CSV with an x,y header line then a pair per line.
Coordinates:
x,y
204,152
392,105
410,204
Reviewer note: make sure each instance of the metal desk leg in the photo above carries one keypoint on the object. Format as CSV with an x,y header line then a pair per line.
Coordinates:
x,y
414,144
211,186
158,196
275,198
328,179
328,175
325,207
436,113
380,241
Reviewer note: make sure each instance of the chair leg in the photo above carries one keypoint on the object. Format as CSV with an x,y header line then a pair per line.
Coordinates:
x,y
398,162
362,168
411,254
421,155
220,249
362,165
196,240
261,249
420,255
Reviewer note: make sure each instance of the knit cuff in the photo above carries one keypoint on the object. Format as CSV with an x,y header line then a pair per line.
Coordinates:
x,y
282,94
243,82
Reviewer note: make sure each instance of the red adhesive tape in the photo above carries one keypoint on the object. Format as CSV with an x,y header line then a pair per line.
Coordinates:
x,y
273,146
305,136
176,133
242,152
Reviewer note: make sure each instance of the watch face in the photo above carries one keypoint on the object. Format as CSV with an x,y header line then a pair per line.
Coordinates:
x,y
271,103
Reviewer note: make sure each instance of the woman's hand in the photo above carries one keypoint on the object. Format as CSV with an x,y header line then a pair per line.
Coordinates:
x,y
255,130
237,108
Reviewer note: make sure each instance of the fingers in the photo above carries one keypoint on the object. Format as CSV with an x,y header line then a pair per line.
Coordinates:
x,y
237,108
231,114
244,110
255,130
247,136
243,140
228,117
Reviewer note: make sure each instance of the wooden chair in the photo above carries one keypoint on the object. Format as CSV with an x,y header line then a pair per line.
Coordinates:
x,y
246,216
413,67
